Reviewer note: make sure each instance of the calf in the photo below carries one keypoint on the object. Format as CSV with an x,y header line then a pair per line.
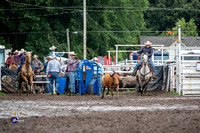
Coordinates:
x,y
111,81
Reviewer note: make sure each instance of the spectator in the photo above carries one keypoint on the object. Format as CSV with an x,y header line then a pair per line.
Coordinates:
x,y
48,58
36,63
65,72
53,50
17,58
101,70
9,60
53,70
72,63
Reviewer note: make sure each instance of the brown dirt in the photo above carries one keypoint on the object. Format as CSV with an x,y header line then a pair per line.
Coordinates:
x,y
153,112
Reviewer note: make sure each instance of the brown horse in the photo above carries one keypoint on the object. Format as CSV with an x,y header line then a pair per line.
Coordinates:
x,y
26,75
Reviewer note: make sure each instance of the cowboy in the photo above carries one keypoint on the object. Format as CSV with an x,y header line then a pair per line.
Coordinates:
x,y
53,70
23,58
64,71
36,63
17,58
72,63
48,58
9,60
149,50
53,50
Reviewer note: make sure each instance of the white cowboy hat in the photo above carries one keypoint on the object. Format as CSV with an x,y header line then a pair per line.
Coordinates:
x,y
53,48
53,56
35,56
72,53
148,43
48,57
95,59
22,51
16,51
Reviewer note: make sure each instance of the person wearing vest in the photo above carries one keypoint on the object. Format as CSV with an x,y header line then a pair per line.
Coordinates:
x,y
72,64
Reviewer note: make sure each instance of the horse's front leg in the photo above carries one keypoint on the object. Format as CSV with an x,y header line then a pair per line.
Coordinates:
x,y
103,91
31,84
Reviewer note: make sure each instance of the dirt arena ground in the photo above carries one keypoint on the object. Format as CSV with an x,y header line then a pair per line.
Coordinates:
x,y
156,112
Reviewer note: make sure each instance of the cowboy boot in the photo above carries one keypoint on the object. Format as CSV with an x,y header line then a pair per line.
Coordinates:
x,y
134,73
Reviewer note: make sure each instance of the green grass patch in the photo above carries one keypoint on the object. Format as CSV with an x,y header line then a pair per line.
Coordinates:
x,y
174,93
3,94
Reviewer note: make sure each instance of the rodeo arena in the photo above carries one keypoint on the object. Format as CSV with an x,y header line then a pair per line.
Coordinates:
x,y
63,94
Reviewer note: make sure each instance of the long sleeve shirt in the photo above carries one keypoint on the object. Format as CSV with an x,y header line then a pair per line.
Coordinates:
x,y
17,59
22,59
9,60
72,65
53,66
146,50
37,63
56,54
44,68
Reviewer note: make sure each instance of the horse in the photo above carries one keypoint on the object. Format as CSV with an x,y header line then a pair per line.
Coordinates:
x,y
26,75
144,74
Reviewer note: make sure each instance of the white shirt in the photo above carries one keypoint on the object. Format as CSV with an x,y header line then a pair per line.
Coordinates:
x,y
53,66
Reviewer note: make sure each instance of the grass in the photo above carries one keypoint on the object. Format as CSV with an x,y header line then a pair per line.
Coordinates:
x,y
174,93
3,94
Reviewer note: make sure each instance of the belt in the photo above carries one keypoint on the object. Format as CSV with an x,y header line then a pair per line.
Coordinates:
x,y
53,72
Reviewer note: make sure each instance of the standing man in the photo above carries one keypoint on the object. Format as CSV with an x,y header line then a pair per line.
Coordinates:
x,y
53,50
48,58
149,50
36,63
72,63
53,70
17,58
9,60
65,72
99,65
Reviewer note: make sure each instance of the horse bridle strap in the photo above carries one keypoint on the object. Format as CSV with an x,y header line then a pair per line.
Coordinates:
x,y
146,73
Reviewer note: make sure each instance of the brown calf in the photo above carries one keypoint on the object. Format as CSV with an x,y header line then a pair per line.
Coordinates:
x,y
111,81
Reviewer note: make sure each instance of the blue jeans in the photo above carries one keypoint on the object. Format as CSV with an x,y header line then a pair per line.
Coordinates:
x,y
47,86
72,81
66,82
150,61
54,77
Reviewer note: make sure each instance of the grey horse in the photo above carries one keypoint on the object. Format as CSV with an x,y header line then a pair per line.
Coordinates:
x,y
144,74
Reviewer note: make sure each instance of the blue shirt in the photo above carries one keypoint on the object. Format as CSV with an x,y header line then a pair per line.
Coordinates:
x,y
44,68
53,66
146,50
23,59
56,54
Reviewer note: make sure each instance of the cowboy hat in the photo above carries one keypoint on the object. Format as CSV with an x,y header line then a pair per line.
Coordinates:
x,y
72,53
53,56
35,56
53,48
22,51
48,57
148,43
95,59
16,51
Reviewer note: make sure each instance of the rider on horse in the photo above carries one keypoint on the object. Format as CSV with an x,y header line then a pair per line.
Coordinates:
x,y
149,50
53,50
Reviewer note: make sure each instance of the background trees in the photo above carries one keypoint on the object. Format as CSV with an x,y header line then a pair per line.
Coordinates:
x,y
37,25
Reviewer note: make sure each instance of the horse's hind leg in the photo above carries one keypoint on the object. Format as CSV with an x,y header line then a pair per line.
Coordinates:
x,y
107,91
